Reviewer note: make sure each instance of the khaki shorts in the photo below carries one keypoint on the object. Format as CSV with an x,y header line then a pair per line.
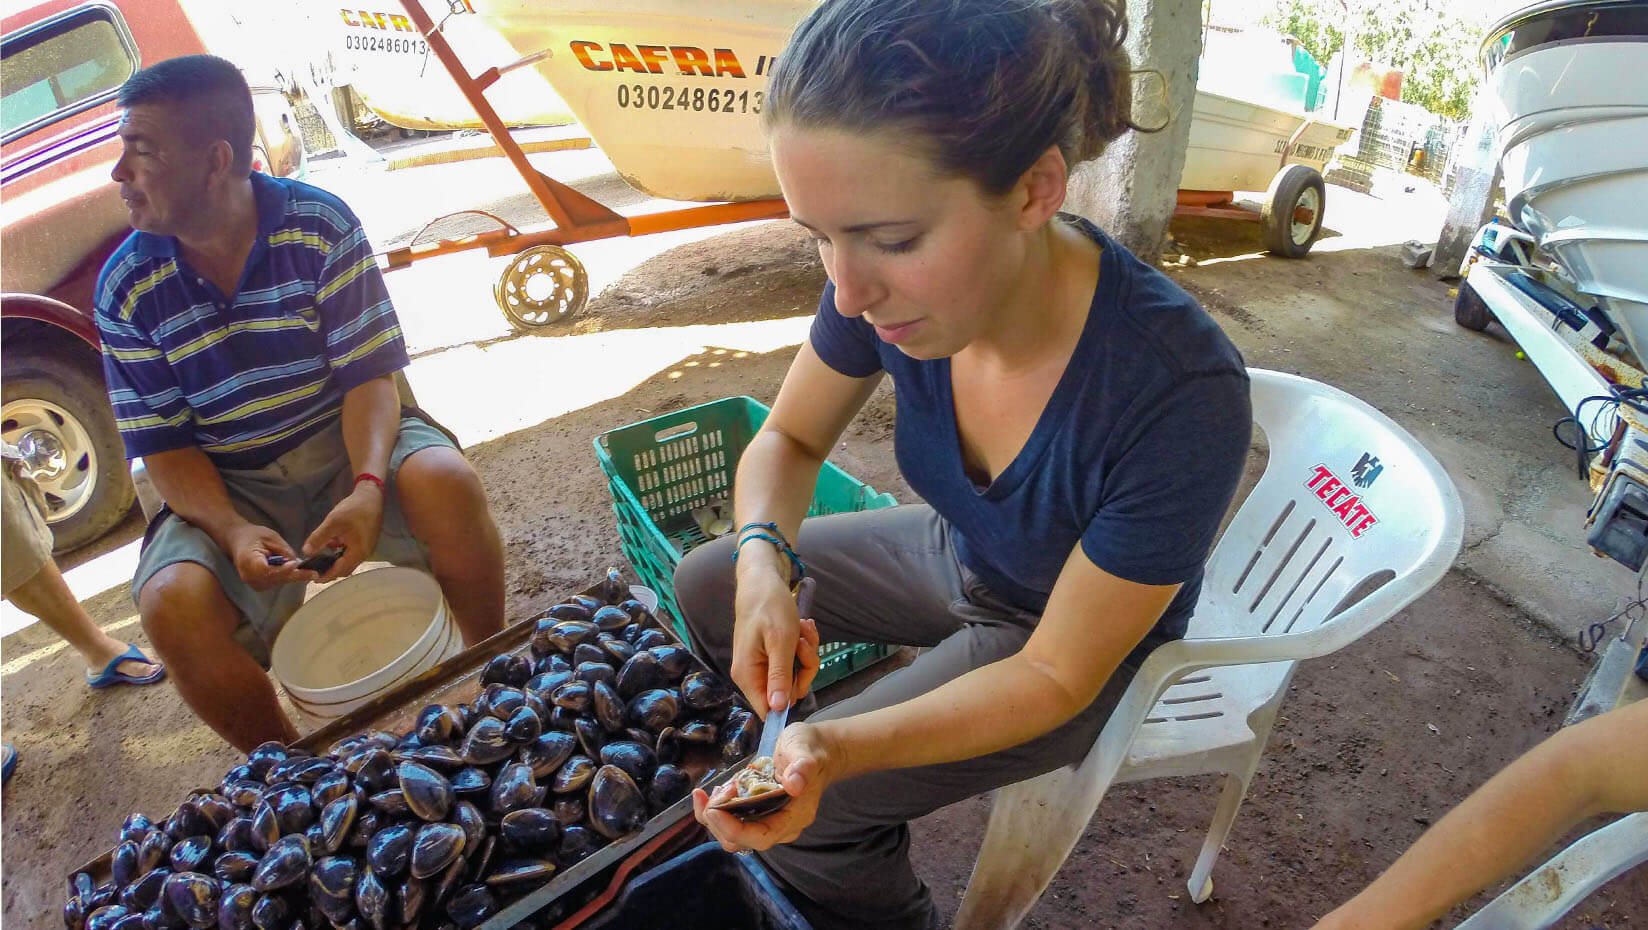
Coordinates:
x,y
291,496
27,543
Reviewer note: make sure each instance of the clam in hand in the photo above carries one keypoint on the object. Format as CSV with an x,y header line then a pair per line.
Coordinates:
x,y
757,792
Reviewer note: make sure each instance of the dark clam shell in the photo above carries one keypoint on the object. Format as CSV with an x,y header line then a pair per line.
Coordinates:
x,y
531,829
156,847
650,639
368,821
608,706
471,906
591,736
574,696
264,757
234,908
702,732
593,672
523,726
190,820
336,819
309,771
146,890
670,783
391,802
234,866
470,780
512,872
189,853
294,808
217,809
591,651
548,752
613,587
286,863
437,724
740,736
589,603
656,709
439,757
502,700
244,793
643,672
620,650
468,818
610,619
81,885
135,827
372,900
567,635
272,912
636,610
74,913
515,788
390,850
704,691
545,684
570,809
331,786
377,770
554,663
578,843
508,670
428,793
573,776
236,835
756,793
437,844
568,612
123,863
193,897
410,899
106,917
668,746
637,761
480,860
332,886
486,743
561,718
616,806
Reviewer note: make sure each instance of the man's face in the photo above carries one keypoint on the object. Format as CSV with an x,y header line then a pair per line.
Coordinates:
x,y
162,173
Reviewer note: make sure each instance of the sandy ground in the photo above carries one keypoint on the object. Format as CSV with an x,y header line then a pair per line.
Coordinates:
x,y
1375,742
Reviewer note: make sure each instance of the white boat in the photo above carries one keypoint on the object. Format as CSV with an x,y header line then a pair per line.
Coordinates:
x,y
1240,145
1568,93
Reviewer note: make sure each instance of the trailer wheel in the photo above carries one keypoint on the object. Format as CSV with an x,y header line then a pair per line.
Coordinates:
x,y
544,285
1292,212
1469,310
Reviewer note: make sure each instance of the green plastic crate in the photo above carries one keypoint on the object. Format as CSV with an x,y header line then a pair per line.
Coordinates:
x,y
659,469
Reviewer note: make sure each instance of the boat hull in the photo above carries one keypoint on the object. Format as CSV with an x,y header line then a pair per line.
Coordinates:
x,y
1237,145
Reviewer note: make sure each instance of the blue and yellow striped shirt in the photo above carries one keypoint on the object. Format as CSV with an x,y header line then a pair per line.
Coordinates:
x,y
246,377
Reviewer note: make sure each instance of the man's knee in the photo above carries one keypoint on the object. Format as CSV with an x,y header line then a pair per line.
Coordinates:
x,y
182,603
439,475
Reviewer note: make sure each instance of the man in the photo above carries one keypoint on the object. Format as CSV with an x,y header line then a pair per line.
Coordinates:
x,y
250,348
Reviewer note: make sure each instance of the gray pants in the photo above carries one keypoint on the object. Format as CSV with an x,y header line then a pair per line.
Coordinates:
x,y
888,576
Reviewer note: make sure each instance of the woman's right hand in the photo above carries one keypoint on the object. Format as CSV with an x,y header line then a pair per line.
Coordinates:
x,y
774,651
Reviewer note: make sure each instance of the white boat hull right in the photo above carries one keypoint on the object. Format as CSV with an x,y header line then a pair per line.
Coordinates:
x,y
1573,123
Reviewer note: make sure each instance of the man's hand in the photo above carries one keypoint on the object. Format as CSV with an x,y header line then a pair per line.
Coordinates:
x,y
353,524
250,547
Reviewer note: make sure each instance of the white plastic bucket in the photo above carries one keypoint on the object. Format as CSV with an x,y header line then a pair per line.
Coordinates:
x,y
360,637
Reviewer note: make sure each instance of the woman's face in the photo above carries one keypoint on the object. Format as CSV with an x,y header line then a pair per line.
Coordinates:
x,y
927,260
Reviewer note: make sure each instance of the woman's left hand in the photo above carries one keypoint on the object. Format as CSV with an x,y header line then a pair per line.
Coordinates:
x,y
805,765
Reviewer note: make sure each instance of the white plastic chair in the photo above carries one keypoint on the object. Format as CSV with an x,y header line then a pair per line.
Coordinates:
x,y
1553,889
1281,585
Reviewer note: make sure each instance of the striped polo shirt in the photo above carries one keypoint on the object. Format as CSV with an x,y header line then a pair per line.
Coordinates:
x,y
246,377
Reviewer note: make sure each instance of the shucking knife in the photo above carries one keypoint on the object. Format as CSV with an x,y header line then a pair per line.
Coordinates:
x,y
777,719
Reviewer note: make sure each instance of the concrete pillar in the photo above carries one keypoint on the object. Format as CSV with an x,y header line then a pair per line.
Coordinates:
x,y
1130,190
1475,166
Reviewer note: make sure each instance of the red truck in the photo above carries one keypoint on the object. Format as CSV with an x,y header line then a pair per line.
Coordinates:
x,y
61,64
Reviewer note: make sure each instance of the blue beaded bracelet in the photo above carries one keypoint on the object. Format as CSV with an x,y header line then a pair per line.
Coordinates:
x,y
800,569
773,527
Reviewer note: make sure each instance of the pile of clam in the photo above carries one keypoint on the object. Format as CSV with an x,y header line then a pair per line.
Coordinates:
x,y
572,743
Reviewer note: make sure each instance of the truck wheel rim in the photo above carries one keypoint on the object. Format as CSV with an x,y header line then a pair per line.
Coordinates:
x,y
1306,210
57,450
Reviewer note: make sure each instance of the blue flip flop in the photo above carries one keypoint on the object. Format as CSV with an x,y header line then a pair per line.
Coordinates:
x,y
111,674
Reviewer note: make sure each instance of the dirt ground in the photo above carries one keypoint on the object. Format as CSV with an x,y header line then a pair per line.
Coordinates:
x,y
1374,743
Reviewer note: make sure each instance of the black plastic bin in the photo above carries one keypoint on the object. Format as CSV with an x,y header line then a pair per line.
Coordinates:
x,y
704,888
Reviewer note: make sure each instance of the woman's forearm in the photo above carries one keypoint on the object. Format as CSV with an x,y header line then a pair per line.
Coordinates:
x,y
990,708
775,482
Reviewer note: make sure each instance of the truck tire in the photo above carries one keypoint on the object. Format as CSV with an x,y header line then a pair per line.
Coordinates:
x,y
61,400
1468,309
1292,212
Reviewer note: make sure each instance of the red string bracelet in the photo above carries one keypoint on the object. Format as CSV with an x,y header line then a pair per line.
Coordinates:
x,y
368,476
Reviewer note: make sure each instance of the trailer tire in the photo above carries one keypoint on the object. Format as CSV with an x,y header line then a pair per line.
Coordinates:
x,y
1292,212
542,286
62,397
1469,310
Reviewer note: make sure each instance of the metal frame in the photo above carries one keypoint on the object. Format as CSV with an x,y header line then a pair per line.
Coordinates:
x,y
577,218
98,9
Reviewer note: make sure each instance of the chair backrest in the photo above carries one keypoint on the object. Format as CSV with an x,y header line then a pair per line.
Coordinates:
x,y
1350,507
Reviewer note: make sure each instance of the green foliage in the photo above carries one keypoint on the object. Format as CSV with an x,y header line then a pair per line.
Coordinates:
x,y
1434,47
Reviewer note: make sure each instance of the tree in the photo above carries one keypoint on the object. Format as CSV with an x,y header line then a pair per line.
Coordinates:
x,y
1434,47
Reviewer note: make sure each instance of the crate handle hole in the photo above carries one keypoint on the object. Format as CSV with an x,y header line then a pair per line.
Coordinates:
x,y
675,432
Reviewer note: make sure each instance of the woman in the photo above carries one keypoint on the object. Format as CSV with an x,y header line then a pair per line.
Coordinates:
x,y
1074,421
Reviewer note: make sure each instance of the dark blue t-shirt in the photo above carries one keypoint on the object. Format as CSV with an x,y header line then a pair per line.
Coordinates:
x,y
1136,455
